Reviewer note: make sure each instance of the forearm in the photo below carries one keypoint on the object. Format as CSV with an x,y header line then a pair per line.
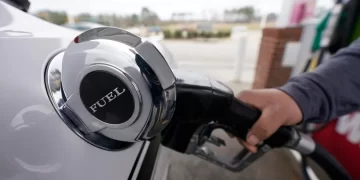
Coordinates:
x,y
332,90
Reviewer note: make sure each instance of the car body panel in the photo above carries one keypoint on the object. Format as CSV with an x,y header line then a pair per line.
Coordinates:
x,y
33,137
34,141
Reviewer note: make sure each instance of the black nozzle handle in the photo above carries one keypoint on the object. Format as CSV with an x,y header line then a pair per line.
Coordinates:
x,y
241,117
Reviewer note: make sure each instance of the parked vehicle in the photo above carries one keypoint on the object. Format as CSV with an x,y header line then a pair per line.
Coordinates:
x,y
82,26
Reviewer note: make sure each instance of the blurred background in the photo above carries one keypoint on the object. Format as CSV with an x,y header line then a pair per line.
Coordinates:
x,y
199,18
201,35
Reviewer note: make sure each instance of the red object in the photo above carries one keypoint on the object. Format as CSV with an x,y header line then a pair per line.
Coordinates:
x,y
299,11
341,137
76,40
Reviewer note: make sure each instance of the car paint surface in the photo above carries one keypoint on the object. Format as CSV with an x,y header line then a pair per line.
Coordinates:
x,y
34,142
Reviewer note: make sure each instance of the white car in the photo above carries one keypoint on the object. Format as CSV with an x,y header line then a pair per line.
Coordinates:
x,y
35,142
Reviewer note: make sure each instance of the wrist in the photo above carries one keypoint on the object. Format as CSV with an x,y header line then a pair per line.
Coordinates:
x,y
297,104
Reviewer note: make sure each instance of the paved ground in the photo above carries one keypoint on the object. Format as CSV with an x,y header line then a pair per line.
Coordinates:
x,y
217,59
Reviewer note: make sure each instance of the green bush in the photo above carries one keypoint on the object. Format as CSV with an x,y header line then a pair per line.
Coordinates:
x,y
189,34
196,34
178,34
223,34
220,34
167,34
192,34
227,34
206,35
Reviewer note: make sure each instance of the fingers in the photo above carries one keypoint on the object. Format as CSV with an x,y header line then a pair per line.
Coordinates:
x,y
277,109
248,146
252,97
263,128
245,144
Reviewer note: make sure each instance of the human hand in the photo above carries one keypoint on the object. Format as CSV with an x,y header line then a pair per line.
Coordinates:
x,y
278,109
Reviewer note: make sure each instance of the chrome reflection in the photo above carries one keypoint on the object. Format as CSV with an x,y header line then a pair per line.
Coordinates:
x,y
147,60
18,121
110,33
151,60
26,134
58,99
163,100
39,169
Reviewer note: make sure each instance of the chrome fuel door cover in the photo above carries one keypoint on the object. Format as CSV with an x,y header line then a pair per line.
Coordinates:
x,y
114,84
146,49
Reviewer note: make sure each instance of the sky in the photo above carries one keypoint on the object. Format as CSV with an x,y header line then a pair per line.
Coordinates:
x,y
164,8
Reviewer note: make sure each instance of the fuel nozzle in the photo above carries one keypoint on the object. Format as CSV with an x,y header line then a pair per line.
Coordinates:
x,y
203,105
201,101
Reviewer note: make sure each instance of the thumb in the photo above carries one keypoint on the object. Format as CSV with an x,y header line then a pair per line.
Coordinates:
x,y
265,126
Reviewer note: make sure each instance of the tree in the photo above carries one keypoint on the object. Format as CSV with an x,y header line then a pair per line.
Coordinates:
x,y
133,20
101,19
148,17
248,11
272,17
145,13
117,21
56,17
84,17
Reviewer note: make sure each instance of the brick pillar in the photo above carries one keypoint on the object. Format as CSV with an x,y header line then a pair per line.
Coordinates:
x,y
269,70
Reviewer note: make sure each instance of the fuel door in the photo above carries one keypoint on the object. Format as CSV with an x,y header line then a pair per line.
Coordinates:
x,y
111,87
